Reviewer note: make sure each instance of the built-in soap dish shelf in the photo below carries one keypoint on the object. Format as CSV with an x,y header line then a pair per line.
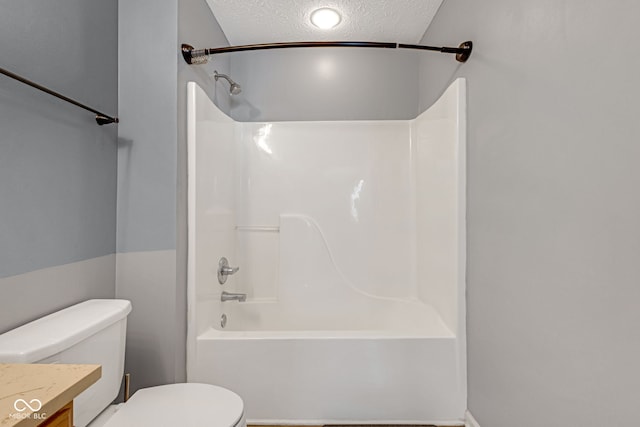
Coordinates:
x,y
259,228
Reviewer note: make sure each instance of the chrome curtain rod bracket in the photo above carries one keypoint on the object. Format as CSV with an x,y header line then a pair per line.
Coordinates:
x,y
200,56
101,118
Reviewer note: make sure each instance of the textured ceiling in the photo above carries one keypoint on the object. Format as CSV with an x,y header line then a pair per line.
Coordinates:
x,y
272,21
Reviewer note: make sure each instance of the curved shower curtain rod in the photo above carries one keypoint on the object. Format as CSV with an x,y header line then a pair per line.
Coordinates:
x,y
199,56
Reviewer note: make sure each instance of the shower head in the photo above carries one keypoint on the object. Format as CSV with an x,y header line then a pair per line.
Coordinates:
x,y
234,88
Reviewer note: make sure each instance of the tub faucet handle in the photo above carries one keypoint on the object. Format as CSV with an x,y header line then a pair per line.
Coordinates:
x,y
224,270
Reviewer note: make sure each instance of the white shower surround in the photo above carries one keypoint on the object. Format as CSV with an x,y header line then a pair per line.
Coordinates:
x,y
350,236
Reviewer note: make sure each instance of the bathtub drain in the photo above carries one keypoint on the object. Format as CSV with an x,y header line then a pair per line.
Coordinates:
x,y
223,320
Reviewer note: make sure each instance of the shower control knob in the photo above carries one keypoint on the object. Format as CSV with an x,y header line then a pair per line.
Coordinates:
x,y
224,270
229,270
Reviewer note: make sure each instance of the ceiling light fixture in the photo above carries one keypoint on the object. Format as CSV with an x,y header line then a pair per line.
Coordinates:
x,y
325,18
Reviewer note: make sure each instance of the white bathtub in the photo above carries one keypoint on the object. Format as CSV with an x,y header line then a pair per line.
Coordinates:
x,y
401,367
352,262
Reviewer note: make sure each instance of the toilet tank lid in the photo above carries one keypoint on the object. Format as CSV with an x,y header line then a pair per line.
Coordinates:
x,y
58,331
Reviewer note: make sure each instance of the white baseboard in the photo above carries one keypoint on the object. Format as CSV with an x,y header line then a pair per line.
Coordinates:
x,y
469,420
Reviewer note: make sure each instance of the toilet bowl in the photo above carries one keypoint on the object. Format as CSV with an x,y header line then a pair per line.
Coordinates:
x,y
93,332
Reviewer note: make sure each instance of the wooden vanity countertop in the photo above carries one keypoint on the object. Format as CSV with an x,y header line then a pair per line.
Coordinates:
x,y
45,388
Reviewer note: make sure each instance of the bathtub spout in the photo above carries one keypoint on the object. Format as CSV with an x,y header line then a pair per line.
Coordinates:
x,y
228,296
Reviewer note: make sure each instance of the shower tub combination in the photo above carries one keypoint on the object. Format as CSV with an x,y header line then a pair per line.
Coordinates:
x,y
350,240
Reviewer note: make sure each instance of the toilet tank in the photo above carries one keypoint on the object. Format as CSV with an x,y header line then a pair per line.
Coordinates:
x,y
92,332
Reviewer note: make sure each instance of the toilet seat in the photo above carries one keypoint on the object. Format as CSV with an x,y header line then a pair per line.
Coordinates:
x,y
185,405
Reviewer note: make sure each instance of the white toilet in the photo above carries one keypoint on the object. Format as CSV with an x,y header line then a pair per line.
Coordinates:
x,y
93,332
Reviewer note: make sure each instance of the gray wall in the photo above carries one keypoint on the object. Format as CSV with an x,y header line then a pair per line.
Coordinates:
x,y
325,84
57,167
152,176
148,129
553,207
147,174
